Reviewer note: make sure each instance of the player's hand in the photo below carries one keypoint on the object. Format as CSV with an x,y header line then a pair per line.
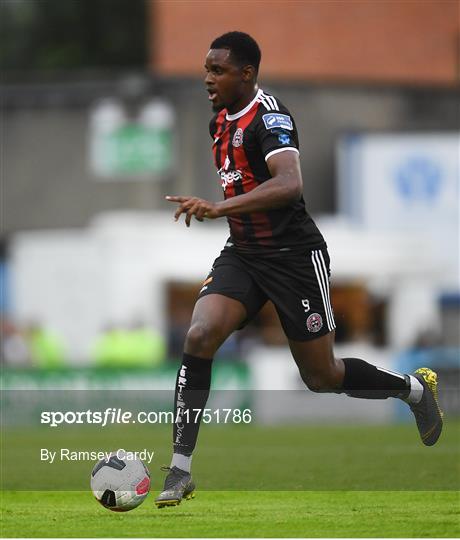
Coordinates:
x,y
194,206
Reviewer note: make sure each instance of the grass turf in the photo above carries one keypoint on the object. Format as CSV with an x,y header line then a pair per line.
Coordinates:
x,y
402,489
238,514
255,458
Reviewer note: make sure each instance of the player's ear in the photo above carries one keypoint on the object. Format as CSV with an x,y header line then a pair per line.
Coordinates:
x,y
249,73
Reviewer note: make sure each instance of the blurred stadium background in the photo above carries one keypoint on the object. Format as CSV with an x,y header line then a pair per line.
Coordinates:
x,y
104,113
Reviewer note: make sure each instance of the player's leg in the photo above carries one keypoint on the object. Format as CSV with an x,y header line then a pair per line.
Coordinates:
x,y
214,318
303,304
229,298
323,372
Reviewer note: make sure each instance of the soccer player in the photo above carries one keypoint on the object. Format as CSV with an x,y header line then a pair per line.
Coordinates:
x,y
274,252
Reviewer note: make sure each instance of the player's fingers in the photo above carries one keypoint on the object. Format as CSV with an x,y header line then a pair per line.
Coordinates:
x,y
201,213
176,198
180,210
185,206
191,211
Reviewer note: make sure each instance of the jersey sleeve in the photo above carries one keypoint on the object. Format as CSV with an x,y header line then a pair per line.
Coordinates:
x,y
276,131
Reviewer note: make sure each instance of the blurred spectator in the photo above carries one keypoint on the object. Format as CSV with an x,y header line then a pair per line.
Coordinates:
x,y
46,348
111,347
138,346
15,351
147,346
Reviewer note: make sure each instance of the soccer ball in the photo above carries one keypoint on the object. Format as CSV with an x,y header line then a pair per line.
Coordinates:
x,y
120,484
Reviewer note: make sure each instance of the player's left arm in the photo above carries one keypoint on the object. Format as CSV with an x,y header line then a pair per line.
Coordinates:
x,y
283,188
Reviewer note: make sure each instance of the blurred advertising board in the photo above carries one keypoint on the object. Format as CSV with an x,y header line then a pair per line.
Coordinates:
x,y
228,375
131,148
401,181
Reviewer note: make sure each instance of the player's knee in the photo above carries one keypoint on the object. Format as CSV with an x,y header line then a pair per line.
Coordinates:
x,y
201,340
321,382
315,384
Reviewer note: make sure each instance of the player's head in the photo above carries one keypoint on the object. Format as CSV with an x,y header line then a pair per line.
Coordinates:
x,y
243,48
232,65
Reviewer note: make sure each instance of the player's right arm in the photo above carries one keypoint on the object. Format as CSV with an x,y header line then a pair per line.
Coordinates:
x,y
275,135
283,188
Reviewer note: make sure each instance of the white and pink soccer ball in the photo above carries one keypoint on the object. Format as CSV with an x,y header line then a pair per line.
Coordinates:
x,y
120,484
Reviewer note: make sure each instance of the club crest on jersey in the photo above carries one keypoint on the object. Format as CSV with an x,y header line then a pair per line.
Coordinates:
x,y
238,138
314,322
277,120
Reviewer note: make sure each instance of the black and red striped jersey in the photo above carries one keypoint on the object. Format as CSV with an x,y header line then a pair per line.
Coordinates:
x,y
243,142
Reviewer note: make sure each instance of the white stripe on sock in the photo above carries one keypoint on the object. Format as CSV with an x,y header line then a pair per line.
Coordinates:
x,y
416,390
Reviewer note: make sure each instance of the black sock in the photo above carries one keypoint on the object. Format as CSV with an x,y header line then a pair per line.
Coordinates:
x,y
363,380
192,390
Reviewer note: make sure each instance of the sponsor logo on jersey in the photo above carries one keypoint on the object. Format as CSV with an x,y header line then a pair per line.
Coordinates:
x,y
284,138
314,322
277,120
238,138
228,177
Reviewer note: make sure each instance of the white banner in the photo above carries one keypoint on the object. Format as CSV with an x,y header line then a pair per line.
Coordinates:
x,y
407,182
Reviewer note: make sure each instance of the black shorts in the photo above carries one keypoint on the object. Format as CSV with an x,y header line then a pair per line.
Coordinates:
x,y
297,284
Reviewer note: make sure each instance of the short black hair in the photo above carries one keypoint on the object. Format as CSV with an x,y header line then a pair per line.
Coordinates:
x,y
242,46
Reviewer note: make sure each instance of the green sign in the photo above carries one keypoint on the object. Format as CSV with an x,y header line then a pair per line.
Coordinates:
x,y
134,149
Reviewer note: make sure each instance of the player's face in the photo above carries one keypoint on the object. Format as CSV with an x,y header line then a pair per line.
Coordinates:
x,y
224,80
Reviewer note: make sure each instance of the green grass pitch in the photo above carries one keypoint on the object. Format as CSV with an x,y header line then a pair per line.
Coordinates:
x,y
253,481
238,514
